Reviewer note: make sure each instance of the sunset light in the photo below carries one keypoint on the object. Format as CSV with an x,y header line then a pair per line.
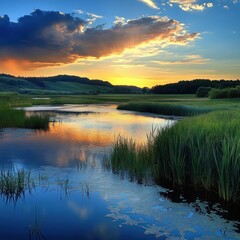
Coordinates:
x,y
153,43
119,119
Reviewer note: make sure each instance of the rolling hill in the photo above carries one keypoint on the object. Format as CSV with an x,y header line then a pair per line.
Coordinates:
x,y
61,84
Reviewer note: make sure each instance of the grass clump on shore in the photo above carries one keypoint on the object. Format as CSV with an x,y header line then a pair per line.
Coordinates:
x,y
17,118
165,109
201,151
130,158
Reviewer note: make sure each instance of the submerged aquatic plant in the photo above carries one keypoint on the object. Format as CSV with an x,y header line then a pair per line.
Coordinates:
x,y
64,187
88,161
35,231
13,184
86,189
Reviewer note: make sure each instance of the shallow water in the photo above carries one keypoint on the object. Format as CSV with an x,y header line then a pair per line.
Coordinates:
x,y
74,200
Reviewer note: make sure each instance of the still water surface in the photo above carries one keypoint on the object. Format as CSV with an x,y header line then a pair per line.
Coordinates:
x,y
73,200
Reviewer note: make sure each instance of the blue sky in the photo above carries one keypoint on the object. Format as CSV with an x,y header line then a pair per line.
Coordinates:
x,y
138,42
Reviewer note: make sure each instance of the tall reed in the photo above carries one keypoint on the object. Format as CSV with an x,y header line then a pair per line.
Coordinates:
x,y
201,151
10,117
165,108
128,157
13,184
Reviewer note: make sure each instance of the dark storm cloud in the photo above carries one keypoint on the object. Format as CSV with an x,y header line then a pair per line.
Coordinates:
x,y
48,37
39,37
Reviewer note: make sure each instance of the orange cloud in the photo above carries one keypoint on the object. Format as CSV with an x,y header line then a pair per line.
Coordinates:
x,y
150,3
48,38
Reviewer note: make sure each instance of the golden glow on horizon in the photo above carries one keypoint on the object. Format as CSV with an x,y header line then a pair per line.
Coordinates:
x,y
132,67
142,50
140,66
136,78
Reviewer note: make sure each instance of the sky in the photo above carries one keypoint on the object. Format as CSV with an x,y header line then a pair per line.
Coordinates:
x,y
130,42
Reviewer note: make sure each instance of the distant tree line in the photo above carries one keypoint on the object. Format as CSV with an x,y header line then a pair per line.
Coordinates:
x,y
215,93
191,87
201,87
203,91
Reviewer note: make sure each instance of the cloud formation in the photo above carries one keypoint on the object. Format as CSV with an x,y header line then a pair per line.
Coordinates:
x,y
189,59
150,3
91,17
39,37
191,5
46,38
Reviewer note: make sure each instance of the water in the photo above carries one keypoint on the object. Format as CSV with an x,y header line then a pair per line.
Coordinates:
x,y
73,200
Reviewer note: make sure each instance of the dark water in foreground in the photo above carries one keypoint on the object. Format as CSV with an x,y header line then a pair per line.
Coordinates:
x,y
74,200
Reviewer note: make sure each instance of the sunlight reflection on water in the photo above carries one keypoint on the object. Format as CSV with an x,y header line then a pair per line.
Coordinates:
x,y
72,201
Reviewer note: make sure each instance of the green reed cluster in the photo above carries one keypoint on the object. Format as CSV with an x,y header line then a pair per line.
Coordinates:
x,y
128,157
10,117
165,109
201,151
13,184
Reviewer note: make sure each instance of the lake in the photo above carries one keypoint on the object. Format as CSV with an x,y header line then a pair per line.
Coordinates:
x,y
72,196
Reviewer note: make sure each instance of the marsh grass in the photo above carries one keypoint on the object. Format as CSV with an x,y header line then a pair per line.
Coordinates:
x,y
86,190
40,122
64,185
165,109
201,152
10,117
13,184
131,159
204,151
86,162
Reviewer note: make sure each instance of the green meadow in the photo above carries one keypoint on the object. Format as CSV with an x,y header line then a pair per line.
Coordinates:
x,y
172,99
36,86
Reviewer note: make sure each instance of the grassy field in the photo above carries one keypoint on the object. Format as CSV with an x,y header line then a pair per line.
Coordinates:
x,y
179,105
179,100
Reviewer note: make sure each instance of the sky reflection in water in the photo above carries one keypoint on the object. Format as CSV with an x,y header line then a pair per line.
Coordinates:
x,y
74,136
90,203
